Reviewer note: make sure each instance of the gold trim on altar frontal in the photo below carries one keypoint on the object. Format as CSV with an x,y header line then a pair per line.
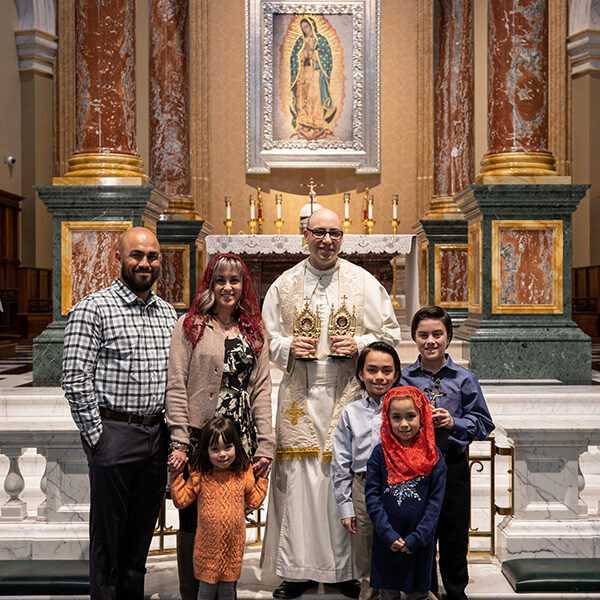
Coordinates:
x,y
443,208
291,453
437,249
526,164
181,209
185,250
103,168
66,251
556,226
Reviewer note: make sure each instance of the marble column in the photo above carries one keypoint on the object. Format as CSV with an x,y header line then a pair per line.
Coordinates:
x,y
105,95
104,192
180,231
442,232
517,91
519,218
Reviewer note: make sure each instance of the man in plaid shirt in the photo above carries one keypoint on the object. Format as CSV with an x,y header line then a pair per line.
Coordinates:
x,y
114,376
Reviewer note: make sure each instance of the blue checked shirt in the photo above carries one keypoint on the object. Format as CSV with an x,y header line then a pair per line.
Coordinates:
x,y
115,355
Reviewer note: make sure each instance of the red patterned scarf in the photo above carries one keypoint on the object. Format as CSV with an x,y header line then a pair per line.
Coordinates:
x,y
248,312
406,462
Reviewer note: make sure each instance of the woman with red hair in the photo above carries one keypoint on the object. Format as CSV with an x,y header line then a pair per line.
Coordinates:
x,y
406,479
218,366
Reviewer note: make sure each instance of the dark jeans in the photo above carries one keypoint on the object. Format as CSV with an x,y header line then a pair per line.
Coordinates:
x,y
453,529
127,481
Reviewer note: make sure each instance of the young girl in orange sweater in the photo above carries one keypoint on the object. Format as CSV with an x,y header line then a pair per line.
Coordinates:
x,y
222,481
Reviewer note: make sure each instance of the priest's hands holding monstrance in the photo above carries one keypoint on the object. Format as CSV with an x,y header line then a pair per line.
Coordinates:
x,y
307,331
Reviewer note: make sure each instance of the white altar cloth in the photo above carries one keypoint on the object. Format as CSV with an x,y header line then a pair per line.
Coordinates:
x,y
352,244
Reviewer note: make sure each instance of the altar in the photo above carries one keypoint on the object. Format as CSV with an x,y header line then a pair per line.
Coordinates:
x,y
267,256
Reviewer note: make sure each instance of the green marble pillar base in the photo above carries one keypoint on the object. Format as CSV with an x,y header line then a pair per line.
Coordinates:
x,y
441,233
514,331
520,351
47,355
141,205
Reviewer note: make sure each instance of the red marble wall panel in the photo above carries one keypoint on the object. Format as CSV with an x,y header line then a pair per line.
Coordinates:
x,y
454,275
517,76
105,76
526,266
93,262
171,283
453,167
169,142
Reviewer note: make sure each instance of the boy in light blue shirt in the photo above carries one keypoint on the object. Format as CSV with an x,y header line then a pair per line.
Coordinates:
x,y
356,434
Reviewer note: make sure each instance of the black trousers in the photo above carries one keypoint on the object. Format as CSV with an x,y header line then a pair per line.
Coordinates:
x,y
128,473
453,529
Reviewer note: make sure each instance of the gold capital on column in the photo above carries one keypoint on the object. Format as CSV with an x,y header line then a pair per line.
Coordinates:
x,y
103,168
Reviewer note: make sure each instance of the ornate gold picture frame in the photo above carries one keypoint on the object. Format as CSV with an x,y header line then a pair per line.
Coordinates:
x,y
312,85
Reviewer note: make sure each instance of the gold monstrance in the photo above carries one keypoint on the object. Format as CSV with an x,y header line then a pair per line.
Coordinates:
x,y
307,323
341,322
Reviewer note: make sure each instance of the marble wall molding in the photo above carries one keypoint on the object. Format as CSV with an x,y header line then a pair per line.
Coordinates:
x,y
451,275
36,51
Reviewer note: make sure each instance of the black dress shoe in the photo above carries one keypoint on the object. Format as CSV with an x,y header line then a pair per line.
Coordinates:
x,y
350,588
292,589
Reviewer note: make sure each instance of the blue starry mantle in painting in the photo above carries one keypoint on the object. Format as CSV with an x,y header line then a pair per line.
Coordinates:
x,y
404,489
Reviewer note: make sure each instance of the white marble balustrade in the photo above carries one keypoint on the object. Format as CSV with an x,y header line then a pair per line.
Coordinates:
x,y
550,427
39,418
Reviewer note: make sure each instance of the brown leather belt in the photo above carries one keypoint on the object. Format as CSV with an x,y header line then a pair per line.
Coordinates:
x,y
107,413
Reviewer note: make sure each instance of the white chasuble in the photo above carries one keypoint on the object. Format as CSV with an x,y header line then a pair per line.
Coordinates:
x,y
304,537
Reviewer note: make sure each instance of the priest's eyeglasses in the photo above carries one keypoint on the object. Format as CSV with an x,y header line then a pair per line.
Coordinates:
x,y
319,234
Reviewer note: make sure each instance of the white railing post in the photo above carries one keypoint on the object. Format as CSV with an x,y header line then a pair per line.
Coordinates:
x,y
14,509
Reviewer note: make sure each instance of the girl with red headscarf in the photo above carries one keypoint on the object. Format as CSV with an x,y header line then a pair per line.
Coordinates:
x,y
218,366
405,485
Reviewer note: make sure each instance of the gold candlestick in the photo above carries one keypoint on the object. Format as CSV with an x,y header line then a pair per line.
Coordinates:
x,y
253,222
278,221
369,221
259,207
228,222
365,209
346,222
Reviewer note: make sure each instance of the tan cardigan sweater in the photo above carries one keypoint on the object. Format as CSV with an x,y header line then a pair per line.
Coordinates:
x,y
193,383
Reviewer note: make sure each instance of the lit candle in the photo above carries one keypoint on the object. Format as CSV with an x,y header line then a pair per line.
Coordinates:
x,y
370,207
346,206
278,205
252,214
395,207
228,207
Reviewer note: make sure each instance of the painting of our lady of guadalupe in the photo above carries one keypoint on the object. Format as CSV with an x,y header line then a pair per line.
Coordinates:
x,y
311,78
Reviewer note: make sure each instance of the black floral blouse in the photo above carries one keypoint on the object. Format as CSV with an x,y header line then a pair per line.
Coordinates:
x,y
234,400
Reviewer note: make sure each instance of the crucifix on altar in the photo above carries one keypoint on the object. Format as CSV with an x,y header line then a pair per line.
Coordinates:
x,y
311,205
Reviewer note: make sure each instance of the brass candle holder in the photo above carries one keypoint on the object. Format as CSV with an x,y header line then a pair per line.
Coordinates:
x,y
346,222
228,222
253,222
366,210
369,221
278,221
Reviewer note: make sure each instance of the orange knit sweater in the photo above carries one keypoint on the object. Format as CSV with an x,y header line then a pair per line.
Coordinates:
x,y
221,531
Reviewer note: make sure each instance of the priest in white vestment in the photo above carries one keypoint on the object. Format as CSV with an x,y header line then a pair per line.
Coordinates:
x,y
305,541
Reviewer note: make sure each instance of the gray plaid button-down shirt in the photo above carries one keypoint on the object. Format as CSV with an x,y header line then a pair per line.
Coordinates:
x,y
115,355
